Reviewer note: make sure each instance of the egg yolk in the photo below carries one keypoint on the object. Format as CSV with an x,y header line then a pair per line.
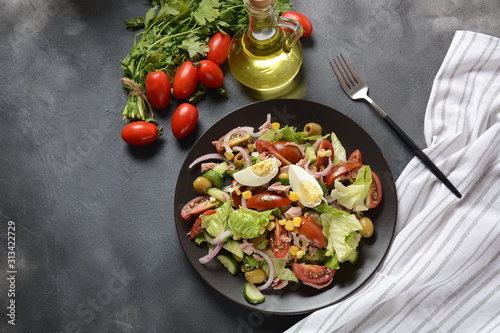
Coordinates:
x,y
263,168
309,193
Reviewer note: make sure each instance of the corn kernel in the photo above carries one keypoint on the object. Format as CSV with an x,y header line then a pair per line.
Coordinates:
x,y
229,156
293,250
283,175
247,194
271,225
294,196
289,225
300,254
275,125
212,199
237,191
297,221
305,244
282,222
262,229
250,148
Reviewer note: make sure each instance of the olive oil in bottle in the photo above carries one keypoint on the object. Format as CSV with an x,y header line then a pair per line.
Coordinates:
x,y
268,54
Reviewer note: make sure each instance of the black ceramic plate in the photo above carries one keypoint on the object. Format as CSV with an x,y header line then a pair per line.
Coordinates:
x,y
295,298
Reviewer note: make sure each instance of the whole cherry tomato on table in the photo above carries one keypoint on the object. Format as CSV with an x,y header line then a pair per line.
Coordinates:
x,y
185,80
158,89
184,120
302,19
210,74
219,47
140,133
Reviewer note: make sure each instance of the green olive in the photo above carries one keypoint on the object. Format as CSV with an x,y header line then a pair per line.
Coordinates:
x,y
313,129
367,225
201,185
239,161
256,275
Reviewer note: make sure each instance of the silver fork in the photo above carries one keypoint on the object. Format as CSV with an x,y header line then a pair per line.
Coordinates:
x,y
356,89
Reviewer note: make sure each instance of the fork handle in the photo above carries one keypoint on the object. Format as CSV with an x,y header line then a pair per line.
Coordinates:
x,y
420,154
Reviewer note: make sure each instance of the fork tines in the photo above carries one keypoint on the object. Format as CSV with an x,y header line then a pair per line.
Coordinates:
x,y
345,73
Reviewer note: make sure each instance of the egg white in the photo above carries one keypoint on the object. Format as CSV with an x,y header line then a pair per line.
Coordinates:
x,y
248,177
310,195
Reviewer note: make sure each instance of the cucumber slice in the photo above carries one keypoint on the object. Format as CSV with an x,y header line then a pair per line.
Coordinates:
x,y
221,168
234,247
215,178
252,294
217,194
229,262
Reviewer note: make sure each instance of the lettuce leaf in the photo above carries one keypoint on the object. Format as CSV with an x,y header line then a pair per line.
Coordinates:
x,y
246,222
338,227
216,223
280,270
354,196
339,154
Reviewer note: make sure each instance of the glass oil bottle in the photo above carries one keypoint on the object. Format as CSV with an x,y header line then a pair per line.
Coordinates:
x,y
267,54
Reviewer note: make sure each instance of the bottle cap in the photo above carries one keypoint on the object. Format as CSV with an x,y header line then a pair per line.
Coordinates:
x,y
261,3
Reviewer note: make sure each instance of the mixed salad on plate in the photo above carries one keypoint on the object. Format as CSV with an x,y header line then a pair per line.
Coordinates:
x,y
281,205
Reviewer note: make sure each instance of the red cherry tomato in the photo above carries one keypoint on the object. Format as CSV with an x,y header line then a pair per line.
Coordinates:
x,y
184,120
268,200
343,169
196,206
314,274
375,193
185,80
289,151
322,161
356,156
158,89
279,241
210,74
312,231
302,19
219,46
139,133
197,228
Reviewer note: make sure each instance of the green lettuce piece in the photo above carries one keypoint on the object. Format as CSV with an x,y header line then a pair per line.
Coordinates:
x,y
281,272
216,223
337,227
247,222
287,133
354,196
339,154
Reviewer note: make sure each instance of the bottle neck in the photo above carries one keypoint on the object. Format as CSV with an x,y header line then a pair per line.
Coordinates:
x,y
262,19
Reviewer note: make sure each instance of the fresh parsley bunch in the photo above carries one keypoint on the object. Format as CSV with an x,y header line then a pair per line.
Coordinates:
x,y
172,32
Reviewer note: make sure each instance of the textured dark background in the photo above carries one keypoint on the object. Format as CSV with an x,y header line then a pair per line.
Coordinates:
x,y
96,246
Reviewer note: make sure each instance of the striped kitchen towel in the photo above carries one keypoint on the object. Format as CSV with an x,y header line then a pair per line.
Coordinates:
x,y
442,272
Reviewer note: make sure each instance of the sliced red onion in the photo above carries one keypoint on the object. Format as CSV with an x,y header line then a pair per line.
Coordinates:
x,y
211,255
272,272
246,155
212,156
227,137
317,143
223,235
322,173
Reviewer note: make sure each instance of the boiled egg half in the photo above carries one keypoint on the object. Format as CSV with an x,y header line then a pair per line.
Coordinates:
x,y
258,174
305,185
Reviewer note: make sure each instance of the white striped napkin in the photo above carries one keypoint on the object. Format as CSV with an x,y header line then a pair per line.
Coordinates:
x,y
442,272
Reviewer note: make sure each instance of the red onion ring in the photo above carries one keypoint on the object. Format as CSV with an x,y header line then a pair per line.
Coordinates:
x,y
212,156
219,238
211,255
322,173
227,137
272,272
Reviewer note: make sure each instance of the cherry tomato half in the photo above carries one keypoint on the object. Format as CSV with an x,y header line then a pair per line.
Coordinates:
x,y
197,228
158,89
356,156
219,46
279,241
268,200
342,170
184,120
375,193
196,206
210,74
289,151
185,80
313,232
314,274
139,133
302,19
